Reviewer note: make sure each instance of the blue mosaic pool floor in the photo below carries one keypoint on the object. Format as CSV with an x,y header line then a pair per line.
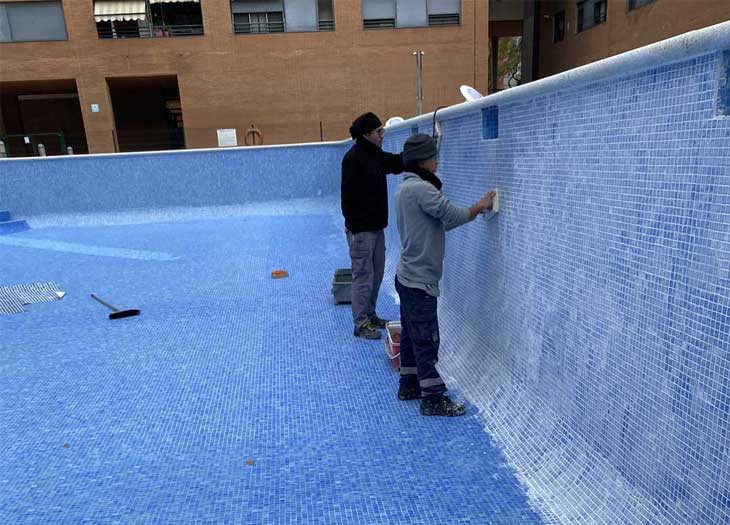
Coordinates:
x,y
233,398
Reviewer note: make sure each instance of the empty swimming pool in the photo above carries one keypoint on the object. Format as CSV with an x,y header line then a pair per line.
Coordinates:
x,y
232,398
587,326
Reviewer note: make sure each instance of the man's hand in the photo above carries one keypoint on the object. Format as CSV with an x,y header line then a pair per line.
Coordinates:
x,y
486,201
484,204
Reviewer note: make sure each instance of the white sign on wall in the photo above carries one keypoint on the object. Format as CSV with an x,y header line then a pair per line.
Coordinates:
x,y
227,138
95,108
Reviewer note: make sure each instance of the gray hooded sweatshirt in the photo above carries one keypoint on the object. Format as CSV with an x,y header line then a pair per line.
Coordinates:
x,y
424,215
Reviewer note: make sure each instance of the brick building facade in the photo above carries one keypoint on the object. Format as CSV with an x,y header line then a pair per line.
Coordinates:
x,y
296,70
596,29
283,83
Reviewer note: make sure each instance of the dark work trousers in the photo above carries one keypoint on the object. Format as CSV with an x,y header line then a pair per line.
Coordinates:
x,y
367,254
419,340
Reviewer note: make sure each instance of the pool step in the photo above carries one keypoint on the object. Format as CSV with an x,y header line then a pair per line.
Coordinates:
x,y
9,225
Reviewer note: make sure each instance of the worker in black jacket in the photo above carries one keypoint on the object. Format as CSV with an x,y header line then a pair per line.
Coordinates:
x,y
364,194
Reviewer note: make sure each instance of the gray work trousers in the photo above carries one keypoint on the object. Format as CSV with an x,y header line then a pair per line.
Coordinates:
x,y
367,254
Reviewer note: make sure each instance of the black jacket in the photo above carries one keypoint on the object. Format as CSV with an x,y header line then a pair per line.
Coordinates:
x,y
364,189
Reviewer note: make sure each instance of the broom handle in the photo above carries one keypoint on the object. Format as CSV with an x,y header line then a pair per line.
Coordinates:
x,y
112,308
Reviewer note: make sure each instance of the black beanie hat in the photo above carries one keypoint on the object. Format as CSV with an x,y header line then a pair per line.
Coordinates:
x,y
363,124
419,147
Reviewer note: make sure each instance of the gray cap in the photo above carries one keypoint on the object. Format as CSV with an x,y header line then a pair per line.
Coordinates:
x,y
419,147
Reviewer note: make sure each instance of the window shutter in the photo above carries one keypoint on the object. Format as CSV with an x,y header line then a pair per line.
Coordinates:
x,y
261,6
444,7
378,9
36,21
5,35
300,15
411,13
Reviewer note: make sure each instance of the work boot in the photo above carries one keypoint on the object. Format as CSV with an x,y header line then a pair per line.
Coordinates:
x,y
406,393
377,321
367,331
441,405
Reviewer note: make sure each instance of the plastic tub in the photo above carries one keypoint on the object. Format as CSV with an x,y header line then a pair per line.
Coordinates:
x,y
342,286
392,343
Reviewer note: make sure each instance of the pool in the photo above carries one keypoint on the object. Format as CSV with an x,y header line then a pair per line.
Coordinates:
x,y
587,326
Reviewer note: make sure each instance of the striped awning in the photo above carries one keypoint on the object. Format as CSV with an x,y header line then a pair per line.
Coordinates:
x,y
108,10
171,1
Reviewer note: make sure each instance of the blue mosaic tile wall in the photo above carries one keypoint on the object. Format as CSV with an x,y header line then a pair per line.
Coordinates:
x,y
590,321
198,178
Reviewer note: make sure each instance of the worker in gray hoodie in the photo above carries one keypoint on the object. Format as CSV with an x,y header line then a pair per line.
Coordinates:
x,y
424,214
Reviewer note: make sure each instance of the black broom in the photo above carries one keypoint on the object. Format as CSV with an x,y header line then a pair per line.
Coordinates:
x,y
116,312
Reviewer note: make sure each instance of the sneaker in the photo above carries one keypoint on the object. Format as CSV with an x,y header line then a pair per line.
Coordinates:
x,y
377,321
406,393
441,405
367,331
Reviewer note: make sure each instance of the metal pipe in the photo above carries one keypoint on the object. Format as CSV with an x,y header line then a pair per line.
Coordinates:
x,y
419,80
436,128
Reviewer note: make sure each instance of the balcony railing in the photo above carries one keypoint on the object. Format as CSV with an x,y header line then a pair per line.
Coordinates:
x,y
151,31
258,27
274,27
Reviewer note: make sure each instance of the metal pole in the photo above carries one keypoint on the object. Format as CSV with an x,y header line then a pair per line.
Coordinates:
x,y
419,80
321,132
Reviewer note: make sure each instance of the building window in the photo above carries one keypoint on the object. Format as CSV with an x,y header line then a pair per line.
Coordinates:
x,y
600,12
559,27
636,4
151,18
325,15
380,14
279,16
175,18
591,13
444,13
266,22
581,15
32,21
